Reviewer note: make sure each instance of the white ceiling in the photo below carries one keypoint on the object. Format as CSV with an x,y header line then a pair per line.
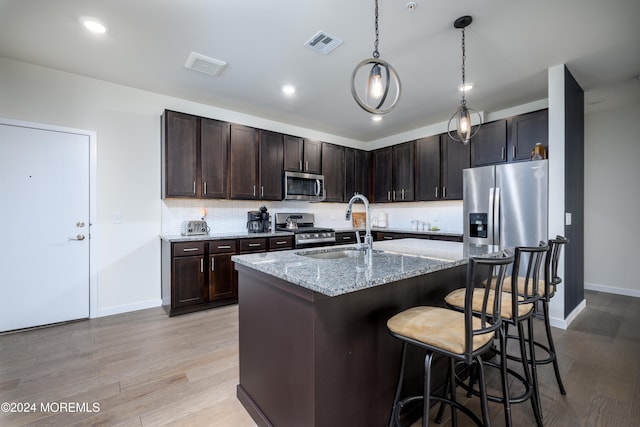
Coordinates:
x,y
510,46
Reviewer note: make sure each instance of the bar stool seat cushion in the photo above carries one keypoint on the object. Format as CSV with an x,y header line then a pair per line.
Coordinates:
x,y
456,299
437,327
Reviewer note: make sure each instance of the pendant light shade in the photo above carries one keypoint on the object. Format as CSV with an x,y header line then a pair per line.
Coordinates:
x,y
375,85
461,119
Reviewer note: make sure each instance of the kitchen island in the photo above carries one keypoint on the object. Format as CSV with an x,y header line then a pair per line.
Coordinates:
x,y
314,346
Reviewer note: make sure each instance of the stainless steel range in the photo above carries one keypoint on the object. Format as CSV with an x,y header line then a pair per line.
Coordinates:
x,y
306,235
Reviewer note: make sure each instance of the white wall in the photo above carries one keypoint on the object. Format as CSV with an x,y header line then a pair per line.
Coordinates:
x,y
612,200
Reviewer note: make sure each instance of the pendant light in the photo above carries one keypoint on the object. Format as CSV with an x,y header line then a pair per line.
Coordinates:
x,y
379,93
463,131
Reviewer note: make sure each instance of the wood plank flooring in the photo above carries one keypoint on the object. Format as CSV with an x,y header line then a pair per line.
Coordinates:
x,y
146,369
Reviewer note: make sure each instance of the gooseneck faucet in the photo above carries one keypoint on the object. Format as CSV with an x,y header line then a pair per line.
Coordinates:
x,y
368,238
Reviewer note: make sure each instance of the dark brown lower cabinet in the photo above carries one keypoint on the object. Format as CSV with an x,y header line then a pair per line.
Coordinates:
x,y
392,235
222,278
200,275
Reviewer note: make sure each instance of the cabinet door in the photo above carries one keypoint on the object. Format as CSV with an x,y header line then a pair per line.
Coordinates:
x,y
243,163
489,146
383,180
362,173
349,173
293,147
180,154
428,168
271,156
221,278
526,131
455,158
312,156
403,171
333,171
214,152
188,281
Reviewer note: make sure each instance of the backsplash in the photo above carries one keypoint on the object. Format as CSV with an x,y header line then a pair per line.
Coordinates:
x,y
224,216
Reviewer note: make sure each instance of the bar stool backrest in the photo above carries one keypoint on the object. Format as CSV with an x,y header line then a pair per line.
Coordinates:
x,y
491,271
551,268
526,273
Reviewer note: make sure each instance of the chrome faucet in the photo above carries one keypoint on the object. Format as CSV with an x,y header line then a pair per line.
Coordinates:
x,y
368,239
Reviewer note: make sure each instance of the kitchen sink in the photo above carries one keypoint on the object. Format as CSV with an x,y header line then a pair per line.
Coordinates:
x,y
333,254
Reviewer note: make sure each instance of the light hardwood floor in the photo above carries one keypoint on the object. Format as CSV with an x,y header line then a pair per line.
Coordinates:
x,y
146,369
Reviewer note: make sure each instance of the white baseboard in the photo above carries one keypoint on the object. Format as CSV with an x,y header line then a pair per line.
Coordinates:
x,y
119,309
612,290
564,323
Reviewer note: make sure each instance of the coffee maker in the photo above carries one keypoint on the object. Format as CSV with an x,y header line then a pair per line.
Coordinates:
x,y
259,221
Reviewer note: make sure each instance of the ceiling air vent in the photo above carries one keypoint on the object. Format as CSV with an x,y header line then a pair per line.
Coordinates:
x,y
323,43
204,64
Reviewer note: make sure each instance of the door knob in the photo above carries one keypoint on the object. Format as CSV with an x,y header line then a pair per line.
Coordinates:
x,y
79,224
78,237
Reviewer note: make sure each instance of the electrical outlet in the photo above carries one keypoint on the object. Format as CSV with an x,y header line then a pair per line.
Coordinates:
x,y
117,218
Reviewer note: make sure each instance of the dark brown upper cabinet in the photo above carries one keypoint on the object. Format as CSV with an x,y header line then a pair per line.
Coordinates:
x,y
455,158
194,156
394,173
302,155
357,173
526,131
243,163
428,169
489,145
333,171
271,163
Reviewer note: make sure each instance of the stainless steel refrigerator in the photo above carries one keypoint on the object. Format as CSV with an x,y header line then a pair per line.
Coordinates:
x,y
506,205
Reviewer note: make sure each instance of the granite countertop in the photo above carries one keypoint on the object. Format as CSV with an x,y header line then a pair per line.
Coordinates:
x,y
221,236
400,230
391,261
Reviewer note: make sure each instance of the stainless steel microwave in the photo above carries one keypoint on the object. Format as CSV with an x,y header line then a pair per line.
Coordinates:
x,y
303,186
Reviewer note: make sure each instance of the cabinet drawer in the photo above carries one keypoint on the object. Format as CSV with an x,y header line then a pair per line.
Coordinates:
x,y
188,248
280,243
345,238
223,246
253,245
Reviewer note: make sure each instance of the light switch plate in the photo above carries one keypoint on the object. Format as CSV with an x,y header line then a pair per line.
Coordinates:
x,y
567,218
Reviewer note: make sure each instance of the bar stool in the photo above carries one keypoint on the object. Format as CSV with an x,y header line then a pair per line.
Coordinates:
x,y
517,310
460,336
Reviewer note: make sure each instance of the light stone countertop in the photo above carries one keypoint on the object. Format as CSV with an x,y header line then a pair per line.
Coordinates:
x,y
222,236
391,261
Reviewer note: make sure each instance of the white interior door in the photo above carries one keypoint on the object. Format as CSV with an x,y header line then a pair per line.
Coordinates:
x,y
44,253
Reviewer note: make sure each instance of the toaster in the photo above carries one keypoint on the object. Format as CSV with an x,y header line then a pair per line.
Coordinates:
x,y
194,228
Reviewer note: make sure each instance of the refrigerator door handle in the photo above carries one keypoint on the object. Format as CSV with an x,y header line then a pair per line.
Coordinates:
x,y
495,215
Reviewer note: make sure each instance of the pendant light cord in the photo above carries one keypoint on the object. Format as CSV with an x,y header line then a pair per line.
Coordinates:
x,y
376,54
463,72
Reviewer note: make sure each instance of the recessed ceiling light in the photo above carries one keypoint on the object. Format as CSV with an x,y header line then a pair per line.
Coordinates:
x,y
288,90
93,25
376,118
467,86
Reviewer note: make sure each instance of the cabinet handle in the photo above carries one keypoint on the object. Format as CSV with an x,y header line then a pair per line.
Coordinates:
x,y
213,264
190,249
394,195
436,192
204,185
253,245
502,153
300,165
388,238
403,194
346,237
281,242
224,247
388,195
262,191
306,165
444,192
194,187
201,265
514,151
254,191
